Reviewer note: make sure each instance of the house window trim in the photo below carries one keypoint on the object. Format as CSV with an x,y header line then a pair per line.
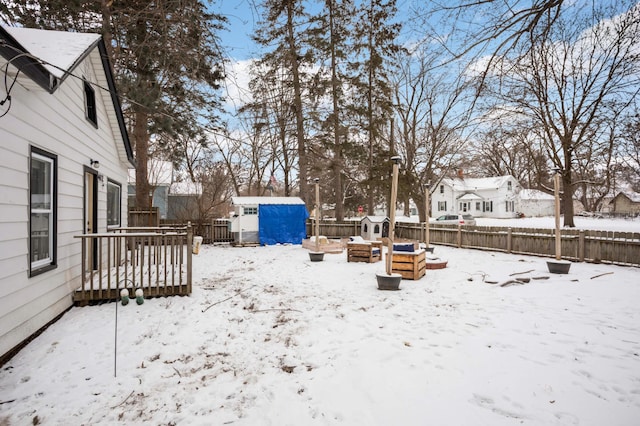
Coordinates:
x,y
90,108
53,223
119,186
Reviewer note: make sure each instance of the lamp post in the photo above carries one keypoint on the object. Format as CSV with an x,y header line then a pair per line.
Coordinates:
x,y
556,192
558,266
317,255
392,213
426,214
389,280
317,230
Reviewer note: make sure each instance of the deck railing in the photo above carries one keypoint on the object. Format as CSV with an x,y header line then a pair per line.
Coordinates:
x,y
157,260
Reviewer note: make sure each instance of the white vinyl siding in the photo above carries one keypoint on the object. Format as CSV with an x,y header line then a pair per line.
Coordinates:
x,y
50,123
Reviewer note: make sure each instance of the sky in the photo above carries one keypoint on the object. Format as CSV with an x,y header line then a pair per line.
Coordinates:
x,y
269,338
243,17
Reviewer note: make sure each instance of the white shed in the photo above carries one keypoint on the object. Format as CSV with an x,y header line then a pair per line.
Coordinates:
x,y
536,203
374,227
269,220
63,170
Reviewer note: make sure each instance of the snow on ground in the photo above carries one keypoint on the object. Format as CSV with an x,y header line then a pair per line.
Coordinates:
x,y
270,338
549,222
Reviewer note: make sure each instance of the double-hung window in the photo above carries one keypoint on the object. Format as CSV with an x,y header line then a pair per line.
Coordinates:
x,y
114,192
42,223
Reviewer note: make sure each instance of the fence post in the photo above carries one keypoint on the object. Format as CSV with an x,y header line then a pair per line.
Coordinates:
x,y
581,245
459,236
509,235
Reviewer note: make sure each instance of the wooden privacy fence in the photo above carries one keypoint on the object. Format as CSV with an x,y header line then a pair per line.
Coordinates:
x,y
620,248
213,231
144,218
156,260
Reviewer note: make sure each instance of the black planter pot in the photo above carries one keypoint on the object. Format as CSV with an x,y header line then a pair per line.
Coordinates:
x,y
429,249
558,266
388,282
316,256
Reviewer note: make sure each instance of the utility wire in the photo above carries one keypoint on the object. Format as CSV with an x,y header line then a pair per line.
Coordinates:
x,y
106,89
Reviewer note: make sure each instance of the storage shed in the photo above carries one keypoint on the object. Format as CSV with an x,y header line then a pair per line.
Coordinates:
x,y
374,227
269,220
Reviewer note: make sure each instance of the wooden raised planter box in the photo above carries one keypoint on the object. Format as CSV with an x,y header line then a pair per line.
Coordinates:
x,y
411,265
369,251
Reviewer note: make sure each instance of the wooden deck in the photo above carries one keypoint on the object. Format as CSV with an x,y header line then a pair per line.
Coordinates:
x,y
156,260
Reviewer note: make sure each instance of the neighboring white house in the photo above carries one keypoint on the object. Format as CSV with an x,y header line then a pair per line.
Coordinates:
x,y
536,203
481,197
63,170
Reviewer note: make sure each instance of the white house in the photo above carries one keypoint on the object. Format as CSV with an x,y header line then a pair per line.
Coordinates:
x,y
63,170
481,197
536,203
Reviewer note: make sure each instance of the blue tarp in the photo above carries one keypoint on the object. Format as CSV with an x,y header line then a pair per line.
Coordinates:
x,y
282,223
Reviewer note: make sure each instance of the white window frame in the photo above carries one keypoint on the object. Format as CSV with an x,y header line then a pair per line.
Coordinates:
x,y
250,211
442,206
117,209
43,264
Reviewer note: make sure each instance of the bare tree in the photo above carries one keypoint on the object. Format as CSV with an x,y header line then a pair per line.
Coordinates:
x,y
433,110
571,80
503,145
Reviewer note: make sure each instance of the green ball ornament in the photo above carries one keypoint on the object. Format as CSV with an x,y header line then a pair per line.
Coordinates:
x,y
124,296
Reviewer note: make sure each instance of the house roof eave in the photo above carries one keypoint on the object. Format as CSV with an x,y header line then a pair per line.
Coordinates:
x,y
116,102
21,59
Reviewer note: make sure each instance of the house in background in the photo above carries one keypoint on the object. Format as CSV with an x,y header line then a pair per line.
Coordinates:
x,y
160,177
184,201
626,203
536,203
481,197
64,159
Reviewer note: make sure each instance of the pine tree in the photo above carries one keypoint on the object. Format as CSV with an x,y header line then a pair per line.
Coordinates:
x,y
375,36
166,57
283,26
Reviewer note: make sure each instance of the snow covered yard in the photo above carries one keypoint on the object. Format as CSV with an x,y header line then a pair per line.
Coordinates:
x,y
270,338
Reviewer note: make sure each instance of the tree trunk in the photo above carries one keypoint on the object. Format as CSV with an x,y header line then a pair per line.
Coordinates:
x,y
337,160
141,138
567,198
297,100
